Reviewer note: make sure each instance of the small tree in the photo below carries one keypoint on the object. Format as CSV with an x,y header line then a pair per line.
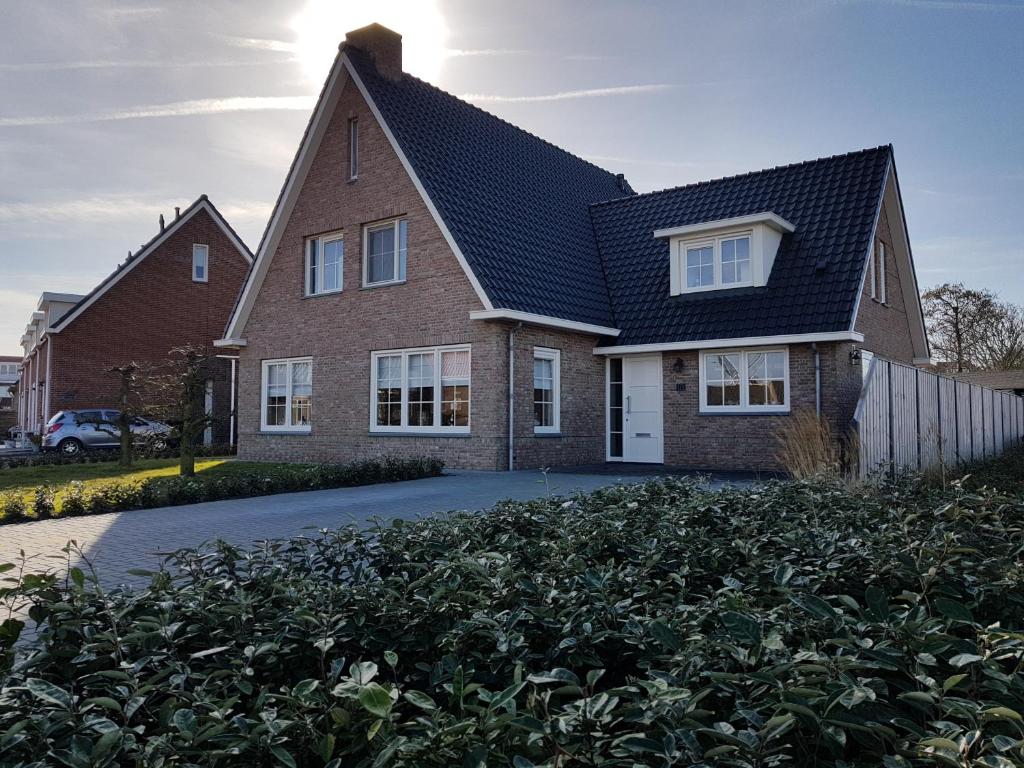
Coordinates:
x,y
183,399
129,387
958,319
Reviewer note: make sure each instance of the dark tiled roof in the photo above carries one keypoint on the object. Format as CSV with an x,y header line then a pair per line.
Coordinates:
x,y
516,205
817,272
993,379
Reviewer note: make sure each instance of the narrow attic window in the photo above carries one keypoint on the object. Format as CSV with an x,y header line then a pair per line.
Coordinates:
x,y
200,263
880,271
353,149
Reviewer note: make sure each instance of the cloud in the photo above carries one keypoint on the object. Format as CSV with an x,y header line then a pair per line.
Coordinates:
x,y
458,52
61,66
262,44
114,208
589,93
175,109
947,5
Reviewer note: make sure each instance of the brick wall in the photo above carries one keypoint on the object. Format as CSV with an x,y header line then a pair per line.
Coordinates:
x,y
886,327
340,330
750,441
152,309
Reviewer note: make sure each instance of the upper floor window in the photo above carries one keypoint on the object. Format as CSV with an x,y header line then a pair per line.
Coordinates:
x,y
744,380
353,148
385,248
420,390
876,273
200,263
720,262
325,259
546,386
287,395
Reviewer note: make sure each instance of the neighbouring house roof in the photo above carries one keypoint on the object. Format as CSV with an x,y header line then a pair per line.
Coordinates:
x,y
516,205
817,275
203,203
1007,380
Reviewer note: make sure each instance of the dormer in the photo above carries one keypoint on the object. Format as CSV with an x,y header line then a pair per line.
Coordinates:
x,y
726,253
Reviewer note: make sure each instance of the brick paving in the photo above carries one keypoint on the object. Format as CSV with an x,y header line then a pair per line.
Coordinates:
x,y
116,543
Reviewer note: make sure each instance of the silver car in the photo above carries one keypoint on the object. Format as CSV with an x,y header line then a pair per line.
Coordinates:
x,y
72,432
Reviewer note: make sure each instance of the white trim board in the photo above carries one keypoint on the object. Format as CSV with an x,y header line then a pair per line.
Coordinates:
x,y
543,320
748,341
340,73
203,204
767,217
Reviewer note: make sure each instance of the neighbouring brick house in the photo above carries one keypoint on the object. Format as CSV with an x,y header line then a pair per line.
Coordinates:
x,y
177,289
424,253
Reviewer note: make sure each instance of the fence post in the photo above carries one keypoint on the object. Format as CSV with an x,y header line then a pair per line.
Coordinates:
x,y
892,430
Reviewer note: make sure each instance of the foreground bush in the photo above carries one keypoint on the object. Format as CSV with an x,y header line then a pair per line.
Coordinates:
x,y
122,495
800,624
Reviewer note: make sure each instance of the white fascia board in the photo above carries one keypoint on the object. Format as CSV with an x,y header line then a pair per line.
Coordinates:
x,y
871,246
229,343
202,205
766,217
435,214
542,320
748,341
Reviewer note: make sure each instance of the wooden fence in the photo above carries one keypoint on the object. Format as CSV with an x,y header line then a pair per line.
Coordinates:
x,y
912,420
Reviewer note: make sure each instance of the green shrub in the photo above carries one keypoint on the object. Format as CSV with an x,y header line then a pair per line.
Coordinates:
x,y
74,501
42,503
13,508
801,623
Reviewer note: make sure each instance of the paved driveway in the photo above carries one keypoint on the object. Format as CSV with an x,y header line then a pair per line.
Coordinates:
x,y
116,543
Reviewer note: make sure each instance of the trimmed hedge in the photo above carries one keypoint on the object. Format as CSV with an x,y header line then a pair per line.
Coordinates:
x,y
77,498
801,624
53,458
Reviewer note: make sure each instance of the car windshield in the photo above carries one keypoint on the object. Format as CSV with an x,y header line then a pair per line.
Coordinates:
x,y
58,416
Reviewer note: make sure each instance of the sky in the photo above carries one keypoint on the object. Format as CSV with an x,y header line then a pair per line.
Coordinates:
x,y
113,112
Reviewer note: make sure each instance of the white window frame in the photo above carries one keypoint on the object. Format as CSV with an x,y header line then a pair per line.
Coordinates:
x,y
744,406
880,271
436,428
682,246
197,249
555,356
322,241
264,375
400,273
871,275
353,148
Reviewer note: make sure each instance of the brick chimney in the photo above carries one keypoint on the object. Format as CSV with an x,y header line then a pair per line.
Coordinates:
x,y
383,45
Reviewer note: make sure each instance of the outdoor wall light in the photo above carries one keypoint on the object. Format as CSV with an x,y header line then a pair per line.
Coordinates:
x,y
855,356
678,365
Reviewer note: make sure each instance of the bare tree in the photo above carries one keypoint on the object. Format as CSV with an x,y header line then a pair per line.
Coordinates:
x,y
183,399
1002,347
958,319
129,388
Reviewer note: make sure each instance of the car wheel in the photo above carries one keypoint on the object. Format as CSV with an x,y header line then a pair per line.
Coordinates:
x,y
70,447
158,444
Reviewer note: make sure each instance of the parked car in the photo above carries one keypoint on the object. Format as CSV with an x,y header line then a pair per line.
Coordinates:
x,y
72,432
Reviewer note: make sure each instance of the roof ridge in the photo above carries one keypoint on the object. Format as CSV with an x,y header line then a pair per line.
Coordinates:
x,y
744,174
471,105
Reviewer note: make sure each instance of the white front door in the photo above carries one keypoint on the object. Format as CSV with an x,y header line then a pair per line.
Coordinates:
x,y
642,421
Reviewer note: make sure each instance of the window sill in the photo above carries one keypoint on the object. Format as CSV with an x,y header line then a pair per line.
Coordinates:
x,y
746,412
286,431
546,434
371,286
322,293
408,433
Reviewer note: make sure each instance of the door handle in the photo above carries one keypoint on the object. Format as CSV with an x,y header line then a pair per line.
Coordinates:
x,y
629,405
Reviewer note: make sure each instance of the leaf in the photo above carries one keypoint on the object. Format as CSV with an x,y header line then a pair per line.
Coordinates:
x,y
877,603
375,700
816,606
783,574
742,627
421,700
506,696
185,720
363,672
556,675
283,756
209,652
963,659
954,610
1002,713
391,658
303,688
49,692
663,633
104,701
952,681
518,761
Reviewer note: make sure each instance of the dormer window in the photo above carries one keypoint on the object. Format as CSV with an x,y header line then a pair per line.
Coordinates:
x,y
722,254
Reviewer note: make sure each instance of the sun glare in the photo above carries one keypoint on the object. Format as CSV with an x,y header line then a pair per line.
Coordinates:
x,y
322,25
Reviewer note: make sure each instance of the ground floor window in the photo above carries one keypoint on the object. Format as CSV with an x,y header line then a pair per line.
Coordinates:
x,y
287,395
425,390
546,386
615,408
744,380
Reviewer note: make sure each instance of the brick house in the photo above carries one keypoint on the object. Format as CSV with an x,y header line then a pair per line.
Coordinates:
x,y
177,289
434,280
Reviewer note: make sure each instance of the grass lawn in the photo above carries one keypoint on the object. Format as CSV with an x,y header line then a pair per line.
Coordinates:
x,y
26,479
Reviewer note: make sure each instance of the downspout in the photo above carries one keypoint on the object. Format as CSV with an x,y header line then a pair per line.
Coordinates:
x,y
49,380
817,380
231,420
511,396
